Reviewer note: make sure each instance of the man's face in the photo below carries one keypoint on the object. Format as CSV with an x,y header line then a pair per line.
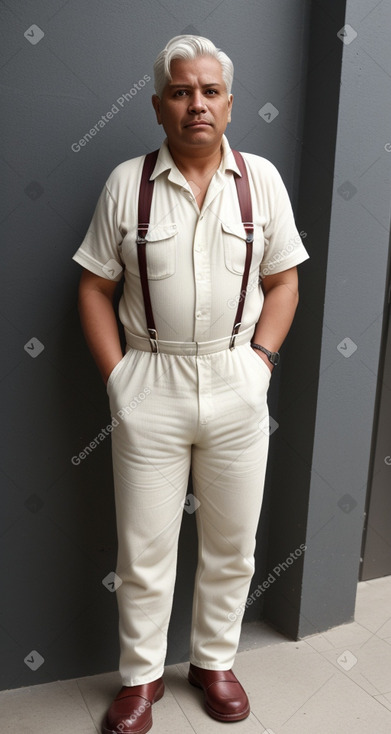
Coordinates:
x,y
194,108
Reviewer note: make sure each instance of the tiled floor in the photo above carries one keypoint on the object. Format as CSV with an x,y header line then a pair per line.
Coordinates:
x,y
338,682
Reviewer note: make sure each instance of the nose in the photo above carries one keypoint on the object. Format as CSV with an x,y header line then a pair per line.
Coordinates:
x,y
197,102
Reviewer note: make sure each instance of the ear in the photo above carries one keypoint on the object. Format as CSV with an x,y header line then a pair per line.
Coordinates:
x,y
230,103
156,107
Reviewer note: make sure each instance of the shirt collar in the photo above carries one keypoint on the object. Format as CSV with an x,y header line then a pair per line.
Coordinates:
x,y
165,162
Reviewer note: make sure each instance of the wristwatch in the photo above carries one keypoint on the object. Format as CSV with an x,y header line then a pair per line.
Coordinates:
x,y
273,357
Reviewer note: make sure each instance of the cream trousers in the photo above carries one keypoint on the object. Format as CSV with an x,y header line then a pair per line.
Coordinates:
x,y
173,413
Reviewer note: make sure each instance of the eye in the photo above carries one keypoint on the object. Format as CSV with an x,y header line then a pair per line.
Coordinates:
x,y
211,92
180,93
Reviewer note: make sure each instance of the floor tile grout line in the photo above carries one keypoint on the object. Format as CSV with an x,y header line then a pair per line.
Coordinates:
x,y
88,710
309,698
340,671
180,674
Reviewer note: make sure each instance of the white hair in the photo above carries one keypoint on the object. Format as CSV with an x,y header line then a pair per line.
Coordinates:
x,y
189,47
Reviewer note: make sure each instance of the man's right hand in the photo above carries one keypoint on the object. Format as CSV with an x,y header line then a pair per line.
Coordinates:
x,y
98,320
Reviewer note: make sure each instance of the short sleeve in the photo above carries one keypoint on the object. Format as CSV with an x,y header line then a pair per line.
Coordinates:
x,y
99,250
284,248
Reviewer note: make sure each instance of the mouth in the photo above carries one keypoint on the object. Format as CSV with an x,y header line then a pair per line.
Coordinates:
x,y
198,123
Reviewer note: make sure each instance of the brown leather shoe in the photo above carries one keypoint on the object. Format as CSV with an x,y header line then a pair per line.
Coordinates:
x,y
225,699
131,711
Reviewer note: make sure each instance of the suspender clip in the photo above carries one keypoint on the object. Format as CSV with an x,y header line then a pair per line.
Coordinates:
x,y
249,227
153,340
234,335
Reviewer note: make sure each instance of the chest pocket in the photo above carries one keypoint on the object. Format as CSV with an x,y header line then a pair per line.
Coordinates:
x,y
234,238
160,249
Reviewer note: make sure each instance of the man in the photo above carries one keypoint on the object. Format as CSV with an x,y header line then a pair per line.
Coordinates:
x,y
191,391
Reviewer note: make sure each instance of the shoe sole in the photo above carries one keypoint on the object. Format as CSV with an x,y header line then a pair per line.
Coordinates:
x,y
216,714
146,728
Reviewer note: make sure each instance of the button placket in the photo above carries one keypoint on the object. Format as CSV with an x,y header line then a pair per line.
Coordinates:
x,y
202,278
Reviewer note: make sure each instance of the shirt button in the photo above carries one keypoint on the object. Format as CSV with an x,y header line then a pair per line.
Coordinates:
x,y
201,217
199,315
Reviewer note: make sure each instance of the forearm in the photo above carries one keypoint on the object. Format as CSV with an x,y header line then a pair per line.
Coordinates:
x,y
100,329
276,318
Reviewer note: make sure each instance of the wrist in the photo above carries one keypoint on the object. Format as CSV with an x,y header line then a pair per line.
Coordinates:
x,y
271,358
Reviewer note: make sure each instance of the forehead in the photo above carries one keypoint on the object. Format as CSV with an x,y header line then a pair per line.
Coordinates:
x,y
198,71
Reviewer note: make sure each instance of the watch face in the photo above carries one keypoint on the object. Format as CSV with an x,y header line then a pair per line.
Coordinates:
x,y
274,358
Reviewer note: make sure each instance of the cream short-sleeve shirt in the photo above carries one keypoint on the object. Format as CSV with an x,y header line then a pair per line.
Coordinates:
x,y
195,258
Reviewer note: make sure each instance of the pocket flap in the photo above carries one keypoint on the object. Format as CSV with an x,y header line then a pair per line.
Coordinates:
x,y
235,228
161,232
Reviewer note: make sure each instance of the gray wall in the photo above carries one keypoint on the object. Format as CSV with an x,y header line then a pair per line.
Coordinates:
x,y
57,532
357,269
321,479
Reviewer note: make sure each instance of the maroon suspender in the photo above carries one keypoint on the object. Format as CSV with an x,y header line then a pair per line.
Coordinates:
x,y
244,196
144,208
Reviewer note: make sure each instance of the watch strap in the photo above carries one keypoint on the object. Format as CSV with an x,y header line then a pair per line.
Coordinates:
x,y
273,357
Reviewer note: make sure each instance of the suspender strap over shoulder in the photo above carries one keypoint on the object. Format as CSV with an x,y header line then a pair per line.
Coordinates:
x,y
244,196
144,209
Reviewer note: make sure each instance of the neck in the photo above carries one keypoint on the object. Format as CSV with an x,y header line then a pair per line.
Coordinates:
x,y
196,159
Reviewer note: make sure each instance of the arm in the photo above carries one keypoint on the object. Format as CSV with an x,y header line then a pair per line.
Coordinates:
x,y
281,298
99,322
